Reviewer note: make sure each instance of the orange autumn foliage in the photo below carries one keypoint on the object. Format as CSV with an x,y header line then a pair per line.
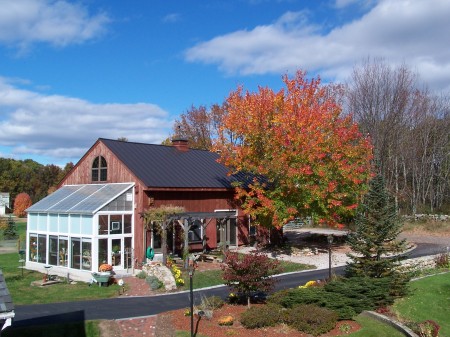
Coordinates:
x,y
314,160
21,203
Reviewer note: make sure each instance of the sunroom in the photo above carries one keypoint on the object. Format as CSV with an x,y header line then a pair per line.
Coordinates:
x,y
79,227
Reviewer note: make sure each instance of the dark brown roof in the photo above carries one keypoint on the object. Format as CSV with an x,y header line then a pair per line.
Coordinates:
x,y
161,166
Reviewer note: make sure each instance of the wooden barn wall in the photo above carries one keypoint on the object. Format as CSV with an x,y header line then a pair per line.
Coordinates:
x,y
203,201
117,173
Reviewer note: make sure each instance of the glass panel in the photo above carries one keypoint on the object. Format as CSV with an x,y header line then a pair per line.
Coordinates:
x,y
42,248
116,253
75,226
103,162
115,224
63,223
63,241
86,224
32,222
33,247
102,225
102,251
53,250
42,222
103,174
53,223
124,202
86,262
127,223
76,254
128,258
94,174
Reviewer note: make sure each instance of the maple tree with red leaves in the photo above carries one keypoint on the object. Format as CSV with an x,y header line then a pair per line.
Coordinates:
x,y
249,273
313,158
21,203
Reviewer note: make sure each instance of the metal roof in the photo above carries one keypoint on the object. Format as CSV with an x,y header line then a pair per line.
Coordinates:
x,y
6,303
167,167
82,199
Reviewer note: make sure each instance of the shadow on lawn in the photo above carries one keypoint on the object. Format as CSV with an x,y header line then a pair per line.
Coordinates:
x,y
68,325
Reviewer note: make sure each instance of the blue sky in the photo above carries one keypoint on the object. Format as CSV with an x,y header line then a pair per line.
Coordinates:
x,y
74,71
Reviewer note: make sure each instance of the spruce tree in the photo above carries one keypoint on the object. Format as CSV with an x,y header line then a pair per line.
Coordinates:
x,y
375,242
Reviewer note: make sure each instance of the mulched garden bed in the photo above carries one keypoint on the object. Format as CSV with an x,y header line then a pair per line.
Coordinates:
x,y
211,328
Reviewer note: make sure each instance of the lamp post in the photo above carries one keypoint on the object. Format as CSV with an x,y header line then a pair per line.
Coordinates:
x,y
330,241
191,292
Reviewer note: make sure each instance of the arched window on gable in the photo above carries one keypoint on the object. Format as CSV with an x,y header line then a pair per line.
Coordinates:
x,y
99,169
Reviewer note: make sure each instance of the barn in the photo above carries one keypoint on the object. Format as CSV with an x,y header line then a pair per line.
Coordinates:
x,y
95,215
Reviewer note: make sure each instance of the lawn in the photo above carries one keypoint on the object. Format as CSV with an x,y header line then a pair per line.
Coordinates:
x,y
373,328
211,278
429,299
22,292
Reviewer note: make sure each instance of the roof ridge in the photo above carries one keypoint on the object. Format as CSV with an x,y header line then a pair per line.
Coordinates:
x,y
148,144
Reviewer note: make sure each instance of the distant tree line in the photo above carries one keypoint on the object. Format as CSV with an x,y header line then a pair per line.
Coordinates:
x,y
407,124
28,176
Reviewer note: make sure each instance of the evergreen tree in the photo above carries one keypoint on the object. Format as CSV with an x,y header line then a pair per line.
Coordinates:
x,y
375,242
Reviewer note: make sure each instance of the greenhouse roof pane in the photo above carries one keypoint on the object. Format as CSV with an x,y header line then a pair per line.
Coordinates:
x,y
85,199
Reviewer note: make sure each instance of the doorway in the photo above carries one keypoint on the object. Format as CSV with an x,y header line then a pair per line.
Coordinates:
x,y
226,232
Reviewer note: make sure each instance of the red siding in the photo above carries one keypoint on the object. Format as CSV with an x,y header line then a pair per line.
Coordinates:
x,y
194,200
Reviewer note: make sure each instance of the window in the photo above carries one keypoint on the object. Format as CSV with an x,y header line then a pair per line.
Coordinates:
x,y
195,231
99,169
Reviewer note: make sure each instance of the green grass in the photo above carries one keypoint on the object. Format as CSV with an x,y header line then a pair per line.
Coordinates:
x,y
211,278
77,329
373,328
429,299
22,292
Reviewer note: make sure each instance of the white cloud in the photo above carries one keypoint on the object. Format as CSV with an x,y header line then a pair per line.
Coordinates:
x,y
64,127
414,32
57,22
172,18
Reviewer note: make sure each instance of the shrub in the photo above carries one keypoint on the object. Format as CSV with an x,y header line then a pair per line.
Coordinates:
x,y
347,297
261,316
142,275
426,328
226,320
311,319
153,282
212,302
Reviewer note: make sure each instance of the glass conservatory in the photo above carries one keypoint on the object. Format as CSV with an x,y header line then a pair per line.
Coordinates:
x,y
79,227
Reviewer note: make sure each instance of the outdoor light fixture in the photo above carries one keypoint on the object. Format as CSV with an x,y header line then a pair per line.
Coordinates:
x,y
330,241
191,269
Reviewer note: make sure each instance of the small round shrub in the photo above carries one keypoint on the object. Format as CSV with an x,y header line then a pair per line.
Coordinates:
x,y
142,275
261,316
153,282
311,319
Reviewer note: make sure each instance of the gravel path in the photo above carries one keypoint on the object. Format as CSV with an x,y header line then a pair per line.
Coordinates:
x,y
319,256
